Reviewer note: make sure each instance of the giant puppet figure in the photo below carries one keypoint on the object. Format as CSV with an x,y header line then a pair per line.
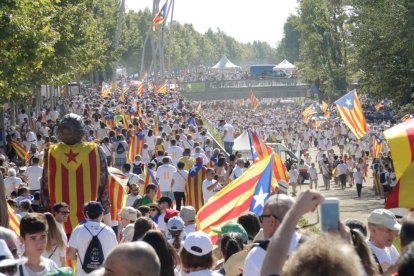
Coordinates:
x,y
74,172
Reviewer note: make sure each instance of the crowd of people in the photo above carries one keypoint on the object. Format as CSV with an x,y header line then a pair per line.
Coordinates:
x,y
340,156
159,144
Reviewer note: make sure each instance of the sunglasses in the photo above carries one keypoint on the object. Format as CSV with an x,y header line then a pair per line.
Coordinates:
x,y
10,270
153,209
64,212
267,216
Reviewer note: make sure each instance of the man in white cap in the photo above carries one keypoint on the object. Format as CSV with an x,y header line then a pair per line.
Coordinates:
x,y
383,229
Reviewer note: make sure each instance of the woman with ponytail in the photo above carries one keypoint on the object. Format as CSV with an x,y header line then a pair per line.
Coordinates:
x,y
175,227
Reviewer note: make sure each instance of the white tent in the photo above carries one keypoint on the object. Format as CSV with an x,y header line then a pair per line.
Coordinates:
x,y
242,143
284,65
225,63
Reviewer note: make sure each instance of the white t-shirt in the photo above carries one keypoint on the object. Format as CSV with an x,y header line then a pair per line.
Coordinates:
x,y
386,256
180,179
229,134
55,255
161,224
80,239
130,199
165,174
206,193
359,177
313,174
49,266
9,181
33,174
175,152
254,260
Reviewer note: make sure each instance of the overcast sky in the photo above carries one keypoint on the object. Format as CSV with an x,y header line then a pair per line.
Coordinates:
x,y
245,20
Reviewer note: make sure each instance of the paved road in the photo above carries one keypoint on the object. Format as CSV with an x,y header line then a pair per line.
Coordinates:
x,y
350,205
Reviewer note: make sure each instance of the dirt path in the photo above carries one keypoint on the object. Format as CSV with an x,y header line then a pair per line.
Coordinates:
x,y
350,205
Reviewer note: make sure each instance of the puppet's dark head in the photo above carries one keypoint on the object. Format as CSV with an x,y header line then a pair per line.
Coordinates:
x,y
70,129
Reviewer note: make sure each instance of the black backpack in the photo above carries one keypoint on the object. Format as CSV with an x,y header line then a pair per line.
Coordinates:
x,y
137,169
382,177
94,256
120,149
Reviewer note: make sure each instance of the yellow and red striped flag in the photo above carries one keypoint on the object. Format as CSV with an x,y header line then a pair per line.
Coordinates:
x,y
14,223
260,151
73,177
247,193
378,145
162,89
194,187
253,100
19,148
125,119
148,177
117,182
400,138
140,90
349,107
136,144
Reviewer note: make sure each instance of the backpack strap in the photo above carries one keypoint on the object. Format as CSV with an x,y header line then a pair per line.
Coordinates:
x,y
263,244
92,237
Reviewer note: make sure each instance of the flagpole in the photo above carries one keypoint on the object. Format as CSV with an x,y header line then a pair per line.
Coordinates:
x,y
118,35
155,6
141,72
170,35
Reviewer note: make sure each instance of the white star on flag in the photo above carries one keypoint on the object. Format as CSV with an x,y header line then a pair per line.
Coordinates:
x,y
348,102
259,198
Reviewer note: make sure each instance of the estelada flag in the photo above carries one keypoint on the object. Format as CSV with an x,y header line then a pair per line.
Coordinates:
x,y
248,192
401,141
19,148
194,187
148,177
136,144
378,145
73,177
260,151
117,182
14,222
349,107
160,17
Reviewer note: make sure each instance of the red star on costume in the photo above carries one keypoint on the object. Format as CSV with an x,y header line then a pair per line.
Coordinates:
x,y
71,156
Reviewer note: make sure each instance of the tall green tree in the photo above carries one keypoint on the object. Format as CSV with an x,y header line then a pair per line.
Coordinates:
x,y
324,45
288,47
27,39
383,35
